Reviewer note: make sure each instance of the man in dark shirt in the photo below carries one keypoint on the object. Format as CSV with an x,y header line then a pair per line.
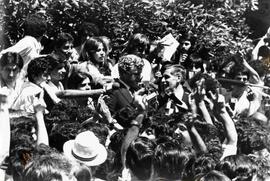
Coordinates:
x,y
125,101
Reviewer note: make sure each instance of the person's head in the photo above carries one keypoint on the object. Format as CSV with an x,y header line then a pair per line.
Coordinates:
x,y
203,164
38,69
239,167
138,44
10,66
61,133
267,80
24,125
195,65
86,148
86,31
63,45
173,76
35,25
204,81
169,161
187,41
139,158
242,76
130,68
99,129
212,176
50,167
93,50
264,52
107,42
58,71
79,81
82,172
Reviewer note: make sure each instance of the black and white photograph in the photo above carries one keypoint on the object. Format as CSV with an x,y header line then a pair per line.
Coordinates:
x,y
134,90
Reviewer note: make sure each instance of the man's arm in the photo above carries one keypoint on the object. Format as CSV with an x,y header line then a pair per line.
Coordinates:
x,y
4,130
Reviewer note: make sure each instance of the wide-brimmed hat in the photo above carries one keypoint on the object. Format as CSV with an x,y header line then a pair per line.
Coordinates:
x,y
86,149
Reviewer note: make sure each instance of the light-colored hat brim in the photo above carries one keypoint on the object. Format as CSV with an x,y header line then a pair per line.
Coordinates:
x,y
99,159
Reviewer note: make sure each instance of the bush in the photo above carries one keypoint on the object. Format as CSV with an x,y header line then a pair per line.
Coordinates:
x,y
222,30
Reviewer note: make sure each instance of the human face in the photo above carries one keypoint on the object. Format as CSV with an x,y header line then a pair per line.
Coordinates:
x,y
66,49
242,78
9,73
100,54
85,84
59,72
133,77
267,80
170,81
182,130
186,45
42,78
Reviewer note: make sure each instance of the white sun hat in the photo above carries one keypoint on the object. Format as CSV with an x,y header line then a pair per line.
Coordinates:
x,y
86,149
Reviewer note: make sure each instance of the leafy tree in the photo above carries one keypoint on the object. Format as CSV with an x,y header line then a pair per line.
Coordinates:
x,y
219,28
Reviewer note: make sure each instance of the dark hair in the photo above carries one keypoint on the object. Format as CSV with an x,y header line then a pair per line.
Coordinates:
x,y
210,84
212,176
75,80
11,58
99,129
54,62
89,47
61,39
87,29
241,166
38,66
82,172
138,44
264,51
139,157
47,167
35,25
21,149
63,132
203,164
170,161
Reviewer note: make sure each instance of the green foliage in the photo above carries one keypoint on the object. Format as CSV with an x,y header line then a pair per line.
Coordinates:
x,y
222,30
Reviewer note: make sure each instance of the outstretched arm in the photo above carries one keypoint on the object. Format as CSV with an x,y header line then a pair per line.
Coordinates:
x,y
230,142
131,135
39,107
4,130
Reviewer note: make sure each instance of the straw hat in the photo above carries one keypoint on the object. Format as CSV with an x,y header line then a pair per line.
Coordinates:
x,y
86,149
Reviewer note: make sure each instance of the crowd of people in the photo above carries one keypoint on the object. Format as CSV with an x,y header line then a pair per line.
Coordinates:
x,y
77,113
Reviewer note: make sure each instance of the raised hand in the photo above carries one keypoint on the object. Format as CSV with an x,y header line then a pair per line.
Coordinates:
x,y
199,93
192,103
250,95
219,102
102,107
140,99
